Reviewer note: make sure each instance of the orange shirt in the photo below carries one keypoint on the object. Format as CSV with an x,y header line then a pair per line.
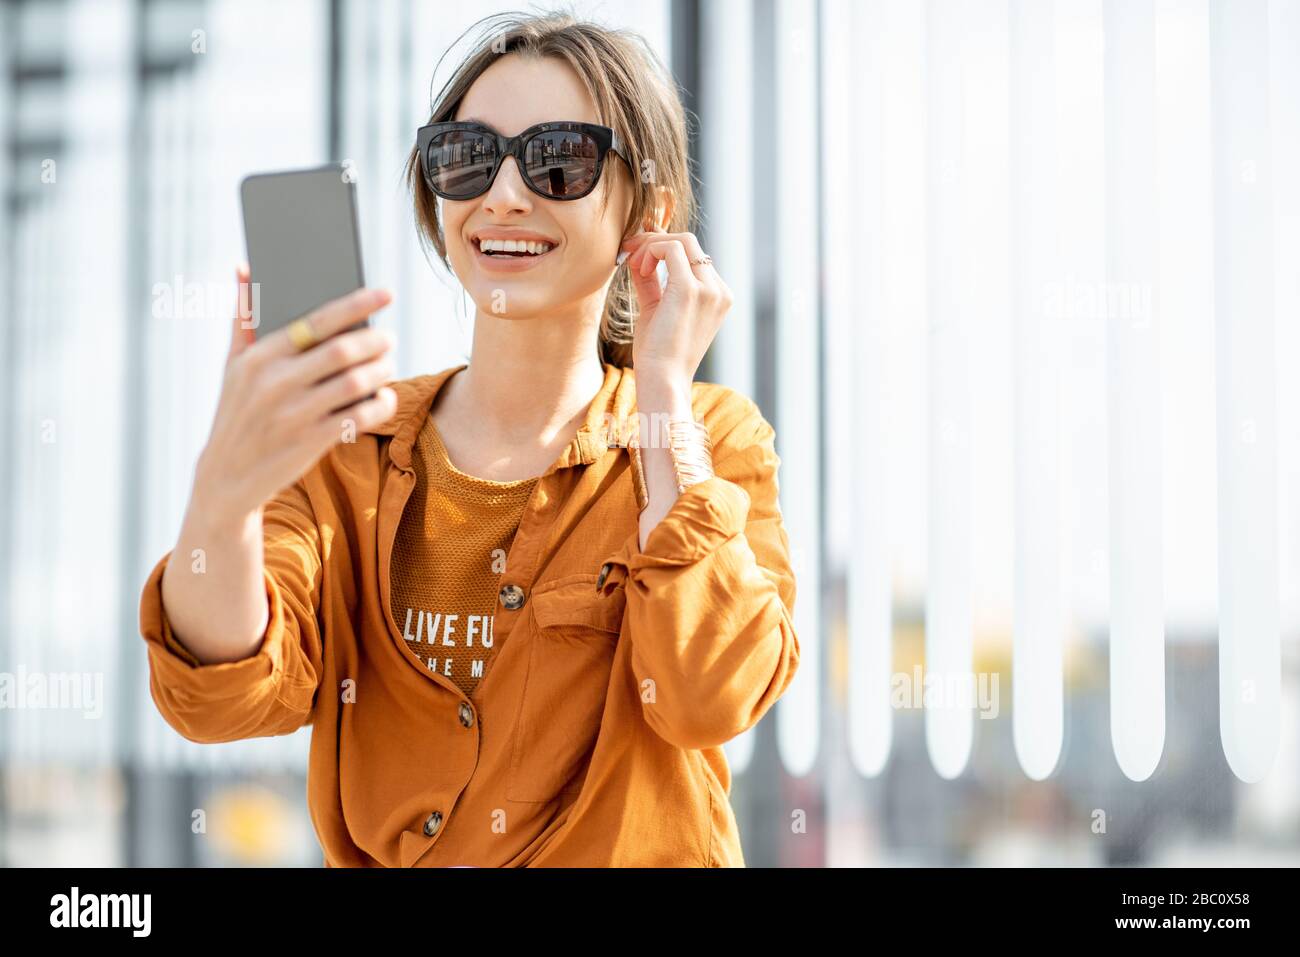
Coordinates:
x,y
595,739
448,559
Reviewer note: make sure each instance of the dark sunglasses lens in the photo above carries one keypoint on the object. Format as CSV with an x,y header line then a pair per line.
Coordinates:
x,y
459,162
562,164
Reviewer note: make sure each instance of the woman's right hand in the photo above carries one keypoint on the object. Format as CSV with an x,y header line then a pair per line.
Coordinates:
x,y
274,419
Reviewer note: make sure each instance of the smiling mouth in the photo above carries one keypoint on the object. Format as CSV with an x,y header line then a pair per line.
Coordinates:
x,y
513,248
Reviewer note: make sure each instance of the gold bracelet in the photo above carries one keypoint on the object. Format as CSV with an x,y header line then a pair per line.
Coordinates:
x,y
691,451
642,493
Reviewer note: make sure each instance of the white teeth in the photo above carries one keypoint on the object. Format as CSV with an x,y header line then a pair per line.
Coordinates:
x,y
514,246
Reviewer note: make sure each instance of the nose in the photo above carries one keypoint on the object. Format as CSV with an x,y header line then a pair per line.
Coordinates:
x,y
508,193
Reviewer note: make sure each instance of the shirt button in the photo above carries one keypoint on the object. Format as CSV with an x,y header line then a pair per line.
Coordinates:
x,y
466,715
512,597
432,824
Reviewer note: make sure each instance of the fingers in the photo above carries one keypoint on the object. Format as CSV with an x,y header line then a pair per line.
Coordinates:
x,y
316,438
636,247
671,251
241,334
637,243
333,356
701,283
366,414
342,390
327,320
639,246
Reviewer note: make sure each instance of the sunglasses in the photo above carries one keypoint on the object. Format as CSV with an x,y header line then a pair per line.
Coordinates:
x,y
557,160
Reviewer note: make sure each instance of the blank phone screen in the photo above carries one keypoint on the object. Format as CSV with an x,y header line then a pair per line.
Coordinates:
x,y
303,244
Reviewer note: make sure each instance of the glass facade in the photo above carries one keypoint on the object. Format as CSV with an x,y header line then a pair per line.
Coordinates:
x,y
1010,281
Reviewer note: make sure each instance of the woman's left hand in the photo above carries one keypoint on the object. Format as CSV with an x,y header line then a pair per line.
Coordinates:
x,y
676,323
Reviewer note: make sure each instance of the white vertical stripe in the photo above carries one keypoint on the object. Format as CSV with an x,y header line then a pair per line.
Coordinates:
x,y
1081,202
948,626
1249,647
1186,300
987,297
32,541
1284,62
1137,700
860,344
727,111
903,295
798,381
1038,631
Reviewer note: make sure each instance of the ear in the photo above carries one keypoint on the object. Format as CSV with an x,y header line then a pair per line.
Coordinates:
x,y
662,214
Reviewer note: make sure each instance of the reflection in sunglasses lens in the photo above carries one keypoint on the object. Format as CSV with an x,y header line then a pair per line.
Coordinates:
x,y
561,163
459,162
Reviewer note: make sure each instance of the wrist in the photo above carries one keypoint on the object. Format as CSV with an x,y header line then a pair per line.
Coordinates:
x,y
210,522
666,422
212,511
664,394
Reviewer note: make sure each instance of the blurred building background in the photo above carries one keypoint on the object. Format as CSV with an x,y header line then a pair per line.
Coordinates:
x,y
1016,283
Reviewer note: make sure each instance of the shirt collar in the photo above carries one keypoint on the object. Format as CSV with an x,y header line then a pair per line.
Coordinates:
x,y
607,426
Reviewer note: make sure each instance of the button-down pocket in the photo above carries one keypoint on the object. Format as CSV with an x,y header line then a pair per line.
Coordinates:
x,y
571,651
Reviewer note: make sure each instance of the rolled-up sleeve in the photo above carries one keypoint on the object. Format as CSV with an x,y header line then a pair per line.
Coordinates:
x,y
710,599
273,690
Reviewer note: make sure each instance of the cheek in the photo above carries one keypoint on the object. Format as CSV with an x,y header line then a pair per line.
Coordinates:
x,y
584,268
453,224
593,238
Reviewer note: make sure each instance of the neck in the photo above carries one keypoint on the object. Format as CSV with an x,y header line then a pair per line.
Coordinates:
x,y
529,378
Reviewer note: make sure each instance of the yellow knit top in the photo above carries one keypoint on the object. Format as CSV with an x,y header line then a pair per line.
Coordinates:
x,y
449,556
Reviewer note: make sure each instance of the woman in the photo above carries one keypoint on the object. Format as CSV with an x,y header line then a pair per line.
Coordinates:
x,y
522,621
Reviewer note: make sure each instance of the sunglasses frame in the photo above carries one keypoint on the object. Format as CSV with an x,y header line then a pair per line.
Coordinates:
x,y
607,141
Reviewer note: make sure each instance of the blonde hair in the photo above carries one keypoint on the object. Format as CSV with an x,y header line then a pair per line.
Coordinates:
x,y
634,94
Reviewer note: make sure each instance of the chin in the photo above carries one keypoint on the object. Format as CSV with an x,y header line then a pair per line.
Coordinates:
x,y
511,306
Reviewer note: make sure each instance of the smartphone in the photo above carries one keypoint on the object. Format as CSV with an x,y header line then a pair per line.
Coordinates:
x,y
303,240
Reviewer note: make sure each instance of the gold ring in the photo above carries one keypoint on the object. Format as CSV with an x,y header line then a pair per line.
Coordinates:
x,y
701,262
300,334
